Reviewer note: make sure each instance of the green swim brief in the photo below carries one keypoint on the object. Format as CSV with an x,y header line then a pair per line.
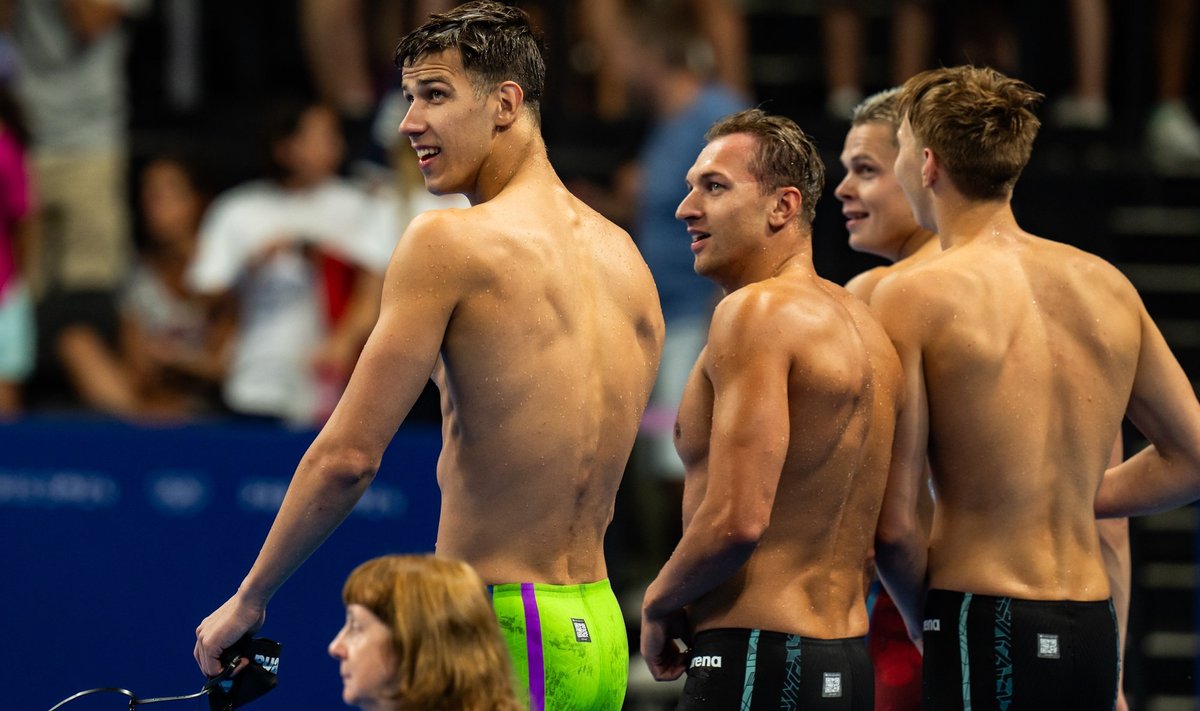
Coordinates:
x,y
568,643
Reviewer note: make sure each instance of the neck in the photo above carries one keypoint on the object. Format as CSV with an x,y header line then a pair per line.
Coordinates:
x,y
960,220
793,257
913,243
518,152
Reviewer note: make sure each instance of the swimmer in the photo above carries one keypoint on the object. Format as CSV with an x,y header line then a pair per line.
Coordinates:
x,y
880,222
1014,396
785,430
539,322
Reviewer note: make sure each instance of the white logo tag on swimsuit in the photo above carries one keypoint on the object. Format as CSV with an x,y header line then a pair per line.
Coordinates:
x,y
581,630
832,686
711,661
1048,646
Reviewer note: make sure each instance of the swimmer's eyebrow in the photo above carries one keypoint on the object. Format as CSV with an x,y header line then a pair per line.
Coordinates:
x,y
707,175
439,78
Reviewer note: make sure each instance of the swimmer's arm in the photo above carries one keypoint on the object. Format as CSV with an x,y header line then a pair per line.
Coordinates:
x,y
747,447
425,281
1163,407
902,537
1118,564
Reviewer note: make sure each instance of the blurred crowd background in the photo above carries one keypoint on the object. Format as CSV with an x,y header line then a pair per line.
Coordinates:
x,y
198,198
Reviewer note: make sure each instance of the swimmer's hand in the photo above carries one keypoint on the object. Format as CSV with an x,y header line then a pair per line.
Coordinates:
x,y
220,630
663,656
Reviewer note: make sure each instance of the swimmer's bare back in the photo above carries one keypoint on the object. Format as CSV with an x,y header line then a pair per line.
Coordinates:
x,y
1027,349
546,365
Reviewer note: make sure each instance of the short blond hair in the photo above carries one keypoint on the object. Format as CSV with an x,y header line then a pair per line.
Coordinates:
x,y
881,107
979,122
447,643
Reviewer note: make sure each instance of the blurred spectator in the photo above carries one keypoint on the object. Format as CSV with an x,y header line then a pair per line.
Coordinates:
x,y
606,29
17,335
71,83
985,34
1086,106
844,48
1172,134
303,251
684,101
348,45
174,340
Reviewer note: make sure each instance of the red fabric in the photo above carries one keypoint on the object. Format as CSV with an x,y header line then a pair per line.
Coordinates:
x,y
337,279
897,661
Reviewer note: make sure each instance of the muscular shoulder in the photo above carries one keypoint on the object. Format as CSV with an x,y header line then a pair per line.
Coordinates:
x,y
755,308
1090,271
863,285
447,236
782,316
918,293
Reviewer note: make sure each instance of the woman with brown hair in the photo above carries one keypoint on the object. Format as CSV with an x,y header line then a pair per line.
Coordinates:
x,y
420,633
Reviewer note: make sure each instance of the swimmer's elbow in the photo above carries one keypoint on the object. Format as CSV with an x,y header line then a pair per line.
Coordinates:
x,y
344,466
894,532
742,529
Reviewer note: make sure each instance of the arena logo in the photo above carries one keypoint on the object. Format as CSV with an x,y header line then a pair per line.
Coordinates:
x,y
58,489
709,661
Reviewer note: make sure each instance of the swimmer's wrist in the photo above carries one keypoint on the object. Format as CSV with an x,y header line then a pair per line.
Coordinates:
x,y
253,595
652,604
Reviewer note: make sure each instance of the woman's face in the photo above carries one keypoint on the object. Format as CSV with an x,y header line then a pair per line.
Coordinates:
x,y
368,661
171,205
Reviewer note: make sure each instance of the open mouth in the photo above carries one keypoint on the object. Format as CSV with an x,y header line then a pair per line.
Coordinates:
x,y
853,218
426,155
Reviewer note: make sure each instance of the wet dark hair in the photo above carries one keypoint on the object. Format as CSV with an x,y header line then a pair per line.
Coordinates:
x,y
496,42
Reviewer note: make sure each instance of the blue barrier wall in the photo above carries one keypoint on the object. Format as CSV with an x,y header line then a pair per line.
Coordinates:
x,y
116,540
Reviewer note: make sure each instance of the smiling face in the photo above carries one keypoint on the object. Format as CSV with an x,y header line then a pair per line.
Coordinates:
x,y
877,213
448,122
724,209
368,659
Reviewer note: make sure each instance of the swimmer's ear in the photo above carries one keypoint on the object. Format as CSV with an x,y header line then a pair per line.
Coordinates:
x,y
931,167
510,99
787,207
